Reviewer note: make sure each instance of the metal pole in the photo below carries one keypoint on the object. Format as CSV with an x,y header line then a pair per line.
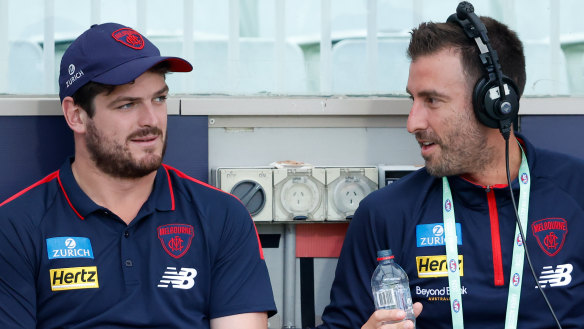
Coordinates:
x,y
4,46
325,48
49,47
233,47
372,45
289,276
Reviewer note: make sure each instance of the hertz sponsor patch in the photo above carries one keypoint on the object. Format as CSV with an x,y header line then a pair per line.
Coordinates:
x,y
74,278
435,266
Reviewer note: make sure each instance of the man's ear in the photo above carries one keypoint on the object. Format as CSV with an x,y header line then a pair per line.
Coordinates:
x,y
75,116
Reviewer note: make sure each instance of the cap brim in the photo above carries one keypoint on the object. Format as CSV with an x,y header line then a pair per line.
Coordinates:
x,y
129,71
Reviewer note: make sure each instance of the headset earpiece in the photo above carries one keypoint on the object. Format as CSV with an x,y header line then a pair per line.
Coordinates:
x,y
489,107
495,96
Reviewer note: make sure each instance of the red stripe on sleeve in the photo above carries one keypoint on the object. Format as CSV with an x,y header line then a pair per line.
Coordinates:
x,y
47,179
67,198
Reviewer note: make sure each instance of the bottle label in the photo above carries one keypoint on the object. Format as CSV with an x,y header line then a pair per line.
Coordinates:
x,y
394,297
386,298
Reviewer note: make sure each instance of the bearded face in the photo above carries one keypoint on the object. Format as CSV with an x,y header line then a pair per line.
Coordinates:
x,y
462,146
116,158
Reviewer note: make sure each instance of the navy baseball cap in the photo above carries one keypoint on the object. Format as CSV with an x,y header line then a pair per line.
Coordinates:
x,y
111,54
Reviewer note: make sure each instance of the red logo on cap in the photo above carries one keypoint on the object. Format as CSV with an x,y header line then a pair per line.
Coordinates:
x,y
129,37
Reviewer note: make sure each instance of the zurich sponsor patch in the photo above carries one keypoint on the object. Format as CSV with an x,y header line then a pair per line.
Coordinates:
x,y
430,235
69,247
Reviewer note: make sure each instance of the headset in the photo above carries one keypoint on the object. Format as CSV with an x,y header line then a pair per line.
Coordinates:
x,y
495,96
496,103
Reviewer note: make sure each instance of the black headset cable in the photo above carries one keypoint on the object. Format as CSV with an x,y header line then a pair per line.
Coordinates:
x,y
523,235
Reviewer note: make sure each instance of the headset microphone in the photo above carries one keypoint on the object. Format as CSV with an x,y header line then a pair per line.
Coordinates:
x,y
495,96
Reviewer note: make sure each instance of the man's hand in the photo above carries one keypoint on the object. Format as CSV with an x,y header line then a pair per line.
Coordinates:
x,y
257,320
379,317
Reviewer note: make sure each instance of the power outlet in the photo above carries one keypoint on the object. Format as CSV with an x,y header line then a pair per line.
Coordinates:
x,y
299,194
253,186
345,188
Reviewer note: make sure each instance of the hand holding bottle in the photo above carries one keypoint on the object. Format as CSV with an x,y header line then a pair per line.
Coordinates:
x,y
391,293
382,319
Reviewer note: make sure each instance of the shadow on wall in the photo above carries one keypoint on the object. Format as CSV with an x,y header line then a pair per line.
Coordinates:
x,y
32,147
35,146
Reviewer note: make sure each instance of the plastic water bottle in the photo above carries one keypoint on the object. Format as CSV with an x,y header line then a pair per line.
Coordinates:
x,y
391,287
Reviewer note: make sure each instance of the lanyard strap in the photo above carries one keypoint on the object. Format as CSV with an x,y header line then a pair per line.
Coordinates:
x,y
452,257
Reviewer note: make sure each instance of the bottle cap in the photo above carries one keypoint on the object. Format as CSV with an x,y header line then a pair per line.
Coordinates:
x,y
384,254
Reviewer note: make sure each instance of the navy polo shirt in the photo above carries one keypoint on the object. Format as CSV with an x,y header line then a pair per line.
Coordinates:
x,y
191,254
407,218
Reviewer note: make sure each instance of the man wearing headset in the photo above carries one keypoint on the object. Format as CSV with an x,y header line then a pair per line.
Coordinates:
x,y
115,238
452,225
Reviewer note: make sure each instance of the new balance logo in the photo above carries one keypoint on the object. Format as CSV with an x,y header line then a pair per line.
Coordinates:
x,y
183,279
561,276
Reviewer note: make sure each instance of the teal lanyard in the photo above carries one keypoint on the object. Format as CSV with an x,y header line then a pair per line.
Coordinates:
x,y
518,252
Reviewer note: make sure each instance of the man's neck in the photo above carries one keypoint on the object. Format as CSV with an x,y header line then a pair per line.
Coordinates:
x,y
495,172
123,196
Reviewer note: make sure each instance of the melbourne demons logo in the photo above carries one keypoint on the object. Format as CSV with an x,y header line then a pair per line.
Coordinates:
x,y
176,238
524,178
550,234
129,37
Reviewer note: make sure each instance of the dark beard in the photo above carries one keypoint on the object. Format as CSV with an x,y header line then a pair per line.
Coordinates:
x,y
464,150
115,159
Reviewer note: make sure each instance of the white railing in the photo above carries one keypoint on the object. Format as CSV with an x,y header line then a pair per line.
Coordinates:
x,y
319,78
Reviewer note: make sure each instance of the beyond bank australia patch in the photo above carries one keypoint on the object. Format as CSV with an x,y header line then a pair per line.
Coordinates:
x,y
69,247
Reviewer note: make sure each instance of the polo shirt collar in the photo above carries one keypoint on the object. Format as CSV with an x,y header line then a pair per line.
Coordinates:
x,y
160,199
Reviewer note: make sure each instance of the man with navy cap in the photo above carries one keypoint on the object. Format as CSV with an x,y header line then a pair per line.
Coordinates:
x,y
114,238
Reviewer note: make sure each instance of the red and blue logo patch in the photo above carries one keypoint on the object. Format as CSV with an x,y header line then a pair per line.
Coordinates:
x,y
550,234
176,238
519,240
456,306
129,37
453,265
447,205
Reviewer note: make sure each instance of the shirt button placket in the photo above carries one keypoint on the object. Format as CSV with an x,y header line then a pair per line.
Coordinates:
x,y
128,257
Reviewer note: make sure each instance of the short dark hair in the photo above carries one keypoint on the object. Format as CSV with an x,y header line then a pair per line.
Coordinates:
x,y
85,95
430,38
